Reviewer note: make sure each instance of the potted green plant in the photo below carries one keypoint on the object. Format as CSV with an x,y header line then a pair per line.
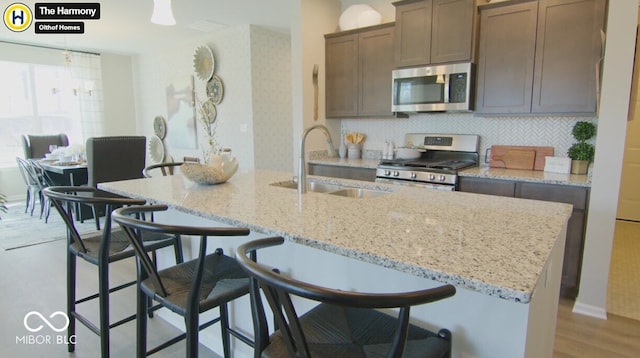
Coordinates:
x,y
582,153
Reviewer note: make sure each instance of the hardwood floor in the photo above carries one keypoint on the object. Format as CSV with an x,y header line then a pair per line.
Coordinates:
x,y
587,337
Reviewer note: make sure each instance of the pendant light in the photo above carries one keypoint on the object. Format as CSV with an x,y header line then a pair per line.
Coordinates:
x,y
162,14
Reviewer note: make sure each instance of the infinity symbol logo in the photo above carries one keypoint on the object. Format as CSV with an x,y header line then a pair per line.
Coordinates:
x,y
37,329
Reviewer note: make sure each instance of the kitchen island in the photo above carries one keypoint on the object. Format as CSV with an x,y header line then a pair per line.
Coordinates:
x,y
504,255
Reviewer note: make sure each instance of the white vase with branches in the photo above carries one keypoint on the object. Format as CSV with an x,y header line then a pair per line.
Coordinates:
x,y
207,117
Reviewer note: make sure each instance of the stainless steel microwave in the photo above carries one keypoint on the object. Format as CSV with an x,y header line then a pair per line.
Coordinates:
x,y
433,88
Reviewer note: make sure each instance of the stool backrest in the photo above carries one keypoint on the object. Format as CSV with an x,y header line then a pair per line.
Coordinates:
x,y
278,289
131,219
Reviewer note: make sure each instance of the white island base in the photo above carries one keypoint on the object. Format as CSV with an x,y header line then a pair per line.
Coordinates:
x,y
482,325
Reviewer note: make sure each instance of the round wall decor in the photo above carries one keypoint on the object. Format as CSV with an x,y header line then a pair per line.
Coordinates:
x,y
215,89
156,149
203,62
160,127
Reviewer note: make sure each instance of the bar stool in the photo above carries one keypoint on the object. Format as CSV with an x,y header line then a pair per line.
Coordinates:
x,y
100,248
343,324
188,289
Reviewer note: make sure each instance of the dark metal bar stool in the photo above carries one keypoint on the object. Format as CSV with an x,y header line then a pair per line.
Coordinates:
x,y
188,289
164,168
100,248
343,324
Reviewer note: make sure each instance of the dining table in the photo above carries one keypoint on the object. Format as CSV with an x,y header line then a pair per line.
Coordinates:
x,y
66,173
69,173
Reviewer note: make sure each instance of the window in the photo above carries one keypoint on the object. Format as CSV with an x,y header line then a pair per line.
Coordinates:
x,y
49,99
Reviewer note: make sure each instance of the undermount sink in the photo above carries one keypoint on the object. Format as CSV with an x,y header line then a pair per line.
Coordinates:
x,y
333,189
314,186
359,193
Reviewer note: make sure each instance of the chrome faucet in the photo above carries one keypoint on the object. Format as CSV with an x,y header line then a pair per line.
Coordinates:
x,y
302,170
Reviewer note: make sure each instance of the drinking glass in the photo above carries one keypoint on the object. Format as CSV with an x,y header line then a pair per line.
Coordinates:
x,y
52,147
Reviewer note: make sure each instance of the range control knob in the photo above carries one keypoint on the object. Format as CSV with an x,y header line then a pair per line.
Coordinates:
x,y
413,175
396,173
442,178
432,177
387,172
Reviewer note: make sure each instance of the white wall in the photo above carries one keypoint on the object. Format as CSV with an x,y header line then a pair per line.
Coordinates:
x,y
118,97
255,113
271,93
603,202
313,19
173,62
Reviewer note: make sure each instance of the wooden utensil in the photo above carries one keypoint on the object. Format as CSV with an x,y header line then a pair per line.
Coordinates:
x,y
315,92
501,150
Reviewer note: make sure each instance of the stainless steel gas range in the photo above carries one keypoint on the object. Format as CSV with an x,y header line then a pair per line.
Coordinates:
x,y
442,155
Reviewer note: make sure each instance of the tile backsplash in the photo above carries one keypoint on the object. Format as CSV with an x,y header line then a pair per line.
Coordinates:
x,y
535,131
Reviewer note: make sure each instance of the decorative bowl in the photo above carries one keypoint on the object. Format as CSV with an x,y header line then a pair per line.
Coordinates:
x,y
216,172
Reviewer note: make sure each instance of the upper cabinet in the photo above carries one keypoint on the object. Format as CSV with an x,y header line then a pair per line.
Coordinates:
x,y
434,31
540,57
358,72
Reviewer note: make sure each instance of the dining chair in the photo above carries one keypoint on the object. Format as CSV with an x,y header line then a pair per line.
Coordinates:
x,y
45,181
343,324
35,146
115,158
33,183
190,288
163,168
100,248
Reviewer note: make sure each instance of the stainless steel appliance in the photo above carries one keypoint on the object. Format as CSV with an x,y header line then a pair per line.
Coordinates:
x,y
437,168
433,88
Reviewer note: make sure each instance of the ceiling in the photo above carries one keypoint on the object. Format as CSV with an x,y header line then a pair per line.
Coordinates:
x,y
124,26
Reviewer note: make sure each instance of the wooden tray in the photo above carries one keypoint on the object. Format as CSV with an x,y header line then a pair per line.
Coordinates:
x,y
519,156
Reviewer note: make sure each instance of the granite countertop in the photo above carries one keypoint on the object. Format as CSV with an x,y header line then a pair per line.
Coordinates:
x,y
535,176
494,245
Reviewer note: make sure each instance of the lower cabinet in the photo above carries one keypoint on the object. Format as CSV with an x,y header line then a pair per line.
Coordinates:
x,y
487,186
336,171
576,196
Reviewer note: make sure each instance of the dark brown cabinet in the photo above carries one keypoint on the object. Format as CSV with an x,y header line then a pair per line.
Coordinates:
x,y
576,196
358,72
433,31
506,53
341,75
487,186
539,57
568,52
336,171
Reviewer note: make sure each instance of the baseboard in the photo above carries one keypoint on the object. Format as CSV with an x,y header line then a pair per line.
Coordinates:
x,y
589,310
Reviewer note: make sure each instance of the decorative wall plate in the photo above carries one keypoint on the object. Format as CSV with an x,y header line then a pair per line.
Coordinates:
x,y
156,149
209,111
215,89
203,62
160,127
